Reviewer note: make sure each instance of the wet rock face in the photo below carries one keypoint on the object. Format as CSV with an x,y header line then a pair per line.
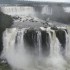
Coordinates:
x,y
61,36
45,42
5,22
30,38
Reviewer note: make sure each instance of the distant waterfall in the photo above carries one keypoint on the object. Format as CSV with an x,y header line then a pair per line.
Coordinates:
x,y
18,11
27,11
23,48
39,42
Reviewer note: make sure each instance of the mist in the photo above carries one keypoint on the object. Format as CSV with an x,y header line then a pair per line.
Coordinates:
x,y
20,56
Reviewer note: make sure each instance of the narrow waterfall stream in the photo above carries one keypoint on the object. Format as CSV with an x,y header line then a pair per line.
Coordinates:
x,y
31,49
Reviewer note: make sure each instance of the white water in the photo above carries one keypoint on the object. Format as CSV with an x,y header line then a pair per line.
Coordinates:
x,y
18,10
67,51
22,11
46,10
19,58
16,55
39,43
55,58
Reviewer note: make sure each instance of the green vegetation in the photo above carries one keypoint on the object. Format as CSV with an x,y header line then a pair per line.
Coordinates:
x,y
4,66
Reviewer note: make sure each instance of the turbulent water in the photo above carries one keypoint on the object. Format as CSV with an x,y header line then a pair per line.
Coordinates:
x,y
31,49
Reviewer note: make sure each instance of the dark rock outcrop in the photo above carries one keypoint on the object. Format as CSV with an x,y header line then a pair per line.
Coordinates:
x,y
30,38
62,37
5,22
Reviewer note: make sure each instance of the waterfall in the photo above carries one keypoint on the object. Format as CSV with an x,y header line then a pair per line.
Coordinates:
x,y
67,51
47,10
18,10
39,43
27,48
54,44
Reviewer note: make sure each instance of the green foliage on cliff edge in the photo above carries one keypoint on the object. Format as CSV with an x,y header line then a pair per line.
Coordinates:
x,y
5,22
4,66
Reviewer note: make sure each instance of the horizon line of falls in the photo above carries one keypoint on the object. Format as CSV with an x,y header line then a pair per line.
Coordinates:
x,y
27,10
36,49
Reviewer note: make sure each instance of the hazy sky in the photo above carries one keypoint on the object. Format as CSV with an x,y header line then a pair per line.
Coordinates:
x,y
52,0
15,1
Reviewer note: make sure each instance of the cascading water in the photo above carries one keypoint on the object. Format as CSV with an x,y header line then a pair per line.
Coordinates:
x,y
27,49
55,57
67,51
15,52
18,11
39,42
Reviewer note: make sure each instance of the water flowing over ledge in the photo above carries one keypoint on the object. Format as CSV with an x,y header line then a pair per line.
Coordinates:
x,y
34,49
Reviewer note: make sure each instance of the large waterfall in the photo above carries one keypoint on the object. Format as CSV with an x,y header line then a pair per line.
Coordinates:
x,y
37,49
27,10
